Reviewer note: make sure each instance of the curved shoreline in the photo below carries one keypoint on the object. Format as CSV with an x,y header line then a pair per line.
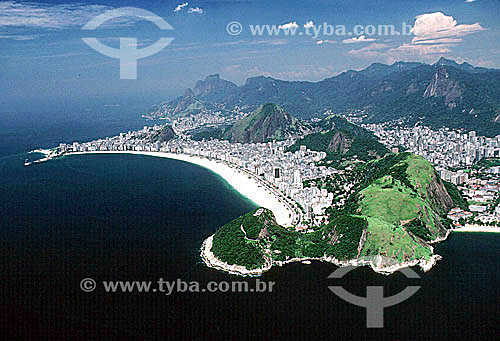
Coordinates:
x,y
242,182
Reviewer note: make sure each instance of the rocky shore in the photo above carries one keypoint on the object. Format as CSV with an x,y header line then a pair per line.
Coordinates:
x,y
379,264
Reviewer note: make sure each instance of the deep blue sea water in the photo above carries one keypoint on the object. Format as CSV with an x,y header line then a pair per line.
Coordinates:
x,y
128,217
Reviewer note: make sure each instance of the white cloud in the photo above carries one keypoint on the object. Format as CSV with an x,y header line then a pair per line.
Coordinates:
x,y
325,41
196,10
437,25
180,6
309,24
435,34
421,50
439,41
371,51
270,42
407,51
360,39
231,68
47,16
307,72
290,25
18,37
469,1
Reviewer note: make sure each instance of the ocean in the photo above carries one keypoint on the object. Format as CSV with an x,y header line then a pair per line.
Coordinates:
x,y
139,218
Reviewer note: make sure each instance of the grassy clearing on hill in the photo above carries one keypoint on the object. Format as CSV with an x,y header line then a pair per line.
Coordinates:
x,y
384,238
388,198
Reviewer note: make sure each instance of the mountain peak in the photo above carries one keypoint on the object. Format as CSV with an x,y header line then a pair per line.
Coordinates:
x,y
189,93
215,76
268,122
448,62
214,88
256,79
464,66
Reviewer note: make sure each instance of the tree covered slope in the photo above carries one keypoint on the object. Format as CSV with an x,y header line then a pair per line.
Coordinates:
x,y
269,122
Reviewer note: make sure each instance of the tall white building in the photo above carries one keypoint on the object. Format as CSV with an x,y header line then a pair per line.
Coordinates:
x,y
297,179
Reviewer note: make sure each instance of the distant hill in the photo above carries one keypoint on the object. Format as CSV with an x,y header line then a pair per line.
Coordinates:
x,y
443,94
342,140
182,106
214,89
165,135
269,122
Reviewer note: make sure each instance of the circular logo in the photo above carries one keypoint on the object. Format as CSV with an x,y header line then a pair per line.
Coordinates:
x,y
88,285
128,53
234,28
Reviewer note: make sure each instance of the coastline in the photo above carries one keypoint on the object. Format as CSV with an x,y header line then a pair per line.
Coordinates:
x,y
242,182
376,264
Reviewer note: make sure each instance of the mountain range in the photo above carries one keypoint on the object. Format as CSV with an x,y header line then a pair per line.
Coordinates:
x,y
442,94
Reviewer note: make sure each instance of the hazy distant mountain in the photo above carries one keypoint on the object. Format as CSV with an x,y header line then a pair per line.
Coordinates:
x,y
464,66
445,93
269,122
214,89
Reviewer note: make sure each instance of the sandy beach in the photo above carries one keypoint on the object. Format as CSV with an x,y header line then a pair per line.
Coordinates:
x,y
240,181
477,228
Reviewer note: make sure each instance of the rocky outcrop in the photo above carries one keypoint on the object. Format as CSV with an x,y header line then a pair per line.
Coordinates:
x,y
166,134
339,143
213,88
442,85
438,195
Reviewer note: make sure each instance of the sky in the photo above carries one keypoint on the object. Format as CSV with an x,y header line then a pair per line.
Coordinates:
x,y
44,61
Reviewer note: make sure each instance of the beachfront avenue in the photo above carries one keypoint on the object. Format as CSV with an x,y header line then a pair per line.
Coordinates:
x,y
168,288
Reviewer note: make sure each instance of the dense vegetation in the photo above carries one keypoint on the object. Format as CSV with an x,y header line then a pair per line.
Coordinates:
x,y
418,228
230,246
393,165
488,162
347,231
207,133
269,122
390,191
456,195
339,239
